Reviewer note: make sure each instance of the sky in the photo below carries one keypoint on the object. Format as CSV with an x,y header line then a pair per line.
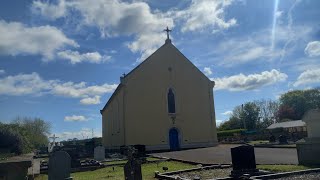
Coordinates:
x,y
61,60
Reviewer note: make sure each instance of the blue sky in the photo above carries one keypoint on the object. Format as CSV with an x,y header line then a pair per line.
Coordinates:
x,y
61,60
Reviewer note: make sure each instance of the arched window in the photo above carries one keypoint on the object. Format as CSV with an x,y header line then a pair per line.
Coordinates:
x,y
171,102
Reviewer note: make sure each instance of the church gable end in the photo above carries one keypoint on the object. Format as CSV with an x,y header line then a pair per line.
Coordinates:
x,y
165,97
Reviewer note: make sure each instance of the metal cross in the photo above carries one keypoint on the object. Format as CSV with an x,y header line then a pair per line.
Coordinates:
x,y
167,30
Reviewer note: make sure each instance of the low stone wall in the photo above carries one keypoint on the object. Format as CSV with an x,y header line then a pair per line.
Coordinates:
x,y
286,174
171,175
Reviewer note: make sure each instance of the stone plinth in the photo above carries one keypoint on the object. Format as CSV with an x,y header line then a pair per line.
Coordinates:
x,y
16,169
309,151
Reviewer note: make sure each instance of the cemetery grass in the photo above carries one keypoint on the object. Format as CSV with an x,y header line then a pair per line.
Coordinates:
x,y
4,156
284,168
258,142
118,174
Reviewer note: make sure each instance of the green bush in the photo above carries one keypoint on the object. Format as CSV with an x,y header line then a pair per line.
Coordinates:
x,y
24,135
229,133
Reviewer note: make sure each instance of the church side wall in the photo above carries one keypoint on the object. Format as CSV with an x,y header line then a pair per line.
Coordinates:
x,y
113,122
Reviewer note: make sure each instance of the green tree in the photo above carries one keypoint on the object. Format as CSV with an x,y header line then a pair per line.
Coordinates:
x,y
294,104
268,110
24,134
37,130
250,115
245,116
232,123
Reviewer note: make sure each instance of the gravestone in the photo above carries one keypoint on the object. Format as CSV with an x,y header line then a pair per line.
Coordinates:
x,y
73,151
283,139
99,153
243,160
132,169
310,149
272,139
59,166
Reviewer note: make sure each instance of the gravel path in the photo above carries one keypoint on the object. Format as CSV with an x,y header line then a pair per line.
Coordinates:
x,y
221,154
207,174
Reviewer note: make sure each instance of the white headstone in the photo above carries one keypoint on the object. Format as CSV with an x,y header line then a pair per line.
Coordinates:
x,y
99,153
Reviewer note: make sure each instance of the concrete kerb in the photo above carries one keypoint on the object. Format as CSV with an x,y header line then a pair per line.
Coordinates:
x,y
190,162
170,175
285,174
274,146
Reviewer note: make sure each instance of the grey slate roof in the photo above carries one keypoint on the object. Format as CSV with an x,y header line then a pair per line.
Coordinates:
x,y
288,124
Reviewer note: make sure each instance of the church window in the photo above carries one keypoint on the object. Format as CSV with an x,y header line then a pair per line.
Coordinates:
x,y
171,102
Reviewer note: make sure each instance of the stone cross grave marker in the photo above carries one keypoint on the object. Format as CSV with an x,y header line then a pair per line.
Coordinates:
x,y
59,166
243,160
132,169
99,153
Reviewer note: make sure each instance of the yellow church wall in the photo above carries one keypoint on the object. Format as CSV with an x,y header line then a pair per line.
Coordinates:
x,y
112,122
147,121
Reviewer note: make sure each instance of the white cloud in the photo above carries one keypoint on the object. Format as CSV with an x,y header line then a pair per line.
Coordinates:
x,y
52,11
81,90
218,122
256,46
279,14
146,44
75,57
16,38
243,82
227,113
308,77
91,100
313,49
75,118
114,18
2,71
83,133
203,14
33,84
25,84
207,71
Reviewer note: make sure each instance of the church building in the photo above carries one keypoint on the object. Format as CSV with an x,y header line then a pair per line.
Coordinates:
x,y
165,103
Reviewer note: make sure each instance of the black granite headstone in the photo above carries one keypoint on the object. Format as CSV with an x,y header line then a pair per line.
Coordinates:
x,y
283,139
272,139
132,169
243,158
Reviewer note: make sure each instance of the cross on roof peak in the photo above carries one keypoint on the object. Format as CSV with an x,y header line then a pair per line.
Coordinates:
x,y
168,40
168,31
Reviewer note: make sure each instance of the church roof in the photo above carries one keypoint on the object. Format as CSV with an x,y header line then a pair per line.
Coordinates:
x,y
167,42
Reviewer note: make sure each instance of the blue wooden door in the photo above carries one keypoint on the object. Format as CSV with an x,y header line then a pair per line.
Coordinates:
x,y
174,139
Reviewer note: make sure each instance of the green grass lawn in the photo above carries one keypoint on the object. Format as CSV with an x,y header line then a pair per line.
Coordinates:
x,y
283,168
114,162
118,174
258,142
4,156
